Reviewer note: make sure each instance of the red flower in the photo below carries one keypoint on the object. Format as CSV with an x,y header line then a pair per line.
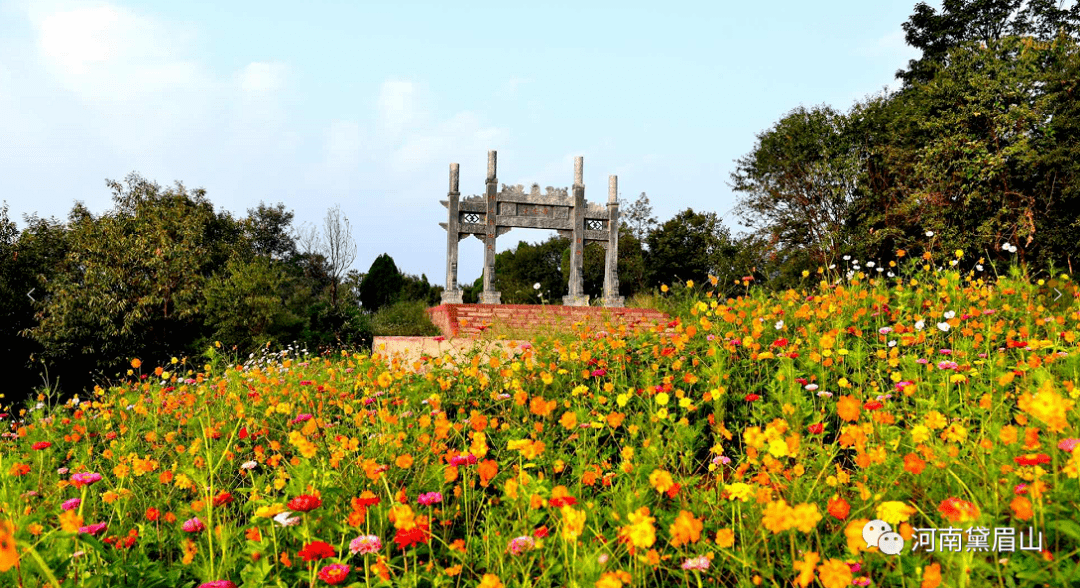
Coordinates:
x,y
816,428
1032,459
153,514
305,503
367,498
873,405
317,550
751,397
541,532
421,533
562,501
334,573
42,445
223,499
674,490
781,342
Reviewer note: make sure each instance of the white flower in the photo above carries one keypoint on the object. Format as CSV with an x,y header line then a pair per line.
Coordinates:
x,y
944,327
284,520
979,266
536,286
249,465
847,258
919,325
949,314
953,262
870,264
929,233
891,275
892,343
779,325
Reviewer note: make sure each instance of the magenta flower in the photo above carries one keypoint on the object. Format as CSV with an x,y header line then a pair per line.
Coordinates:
x,y
93,529
193,525
71,504
460,460
218,584
429,498
302,417
365,544
1068,444
85,479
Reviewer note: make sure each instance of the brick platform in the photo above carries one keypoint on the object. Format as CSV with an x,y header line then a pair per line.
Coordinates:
x,y
525,320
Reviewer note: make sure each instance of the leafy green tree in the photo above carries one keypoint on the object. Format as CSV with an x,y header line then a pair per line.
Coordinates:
x,y
981,21
132,279
381,284
799,183
246,305
690,246
269,231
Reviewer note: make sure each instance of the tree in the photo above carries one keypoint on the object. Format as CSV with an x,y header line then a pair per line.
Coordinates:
x,y
981,21
800,181
638,218
690,246
268,229
246,305
381,284
334,243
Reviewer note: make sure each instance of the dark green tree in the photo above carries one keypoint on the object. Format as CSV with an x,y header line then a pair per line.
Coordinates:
x,y
690,246
382,284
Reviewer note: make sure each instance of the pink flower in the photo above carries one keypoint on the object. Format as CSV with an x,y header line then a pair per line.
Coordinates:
x,y
460,460
93,529
365,544
85,479
218,584
193,525
71,504
302,417
520,544
1068,444
696,563
429,498
334,573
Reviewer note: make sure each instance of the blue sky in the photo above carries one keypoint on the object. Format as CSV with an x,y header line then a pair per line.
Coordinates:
x,y
365,104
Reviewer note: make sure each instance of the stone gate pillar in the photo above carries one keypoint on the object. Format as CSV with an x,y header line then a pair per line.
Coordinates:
x,y
452,294
611,256
576,296
489,295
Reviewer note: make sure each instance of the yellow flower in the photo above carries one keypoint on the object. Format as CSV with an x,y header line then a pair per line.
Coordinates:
x,y
269,512
894,512
662,398
778,448
663,288
661,480
777,516
573,523
739,491
640,532
490,581
805,517
689,283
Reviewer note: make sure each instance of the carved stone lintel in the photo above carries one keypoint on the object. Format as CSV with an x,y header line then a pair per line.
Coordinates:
x,y
452,296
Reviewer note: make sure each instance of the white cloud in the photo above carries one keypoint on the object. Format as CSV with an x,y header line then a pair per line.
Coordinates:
x,y
398,110
260,80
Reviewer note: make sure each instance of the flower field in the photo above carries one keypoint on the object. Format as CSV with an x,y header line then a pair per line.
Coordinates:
x,y
749,444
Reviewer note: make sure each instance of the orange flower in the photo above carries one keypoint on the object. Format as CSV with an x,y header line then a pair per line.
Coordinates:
x,y
685,529
914,464
958,511
135,363
725,538
931,577
490,581
19,469
70,521
9,556
848,408
835,574
806,569
1021,507
778,516
487,470
253,534
404,461
838,507
568,420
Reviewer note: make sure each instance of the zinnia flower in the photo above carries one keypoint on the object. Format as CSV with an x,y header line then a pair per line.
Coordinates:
x,y
85,479
283,519
958,511
334,573
193,525
71,504
317,550
305,503
218,584
94,529
696,563
520,544
365,544
429,498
